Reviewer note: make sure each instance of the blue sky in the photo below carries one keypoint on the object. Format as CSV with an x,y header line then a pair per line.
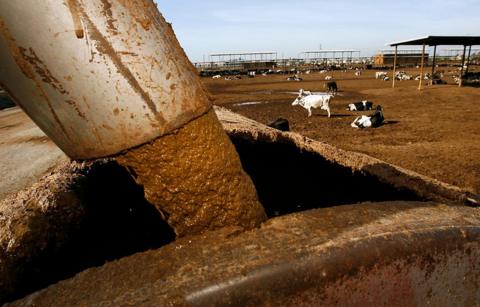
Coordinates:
x,y
291,27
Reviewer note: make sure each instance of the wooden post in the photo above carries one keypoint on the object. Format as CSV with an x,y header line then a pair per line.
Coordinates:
x,y
463,63
434,57
421,68
394,66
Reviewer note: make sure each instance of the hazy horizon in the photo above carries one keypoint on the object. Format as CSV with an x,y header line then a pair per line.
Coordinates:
x,y
289,28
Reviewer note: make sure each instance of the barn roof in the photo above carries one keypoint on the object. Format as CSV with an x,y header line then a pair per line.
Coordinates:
x,y
440,40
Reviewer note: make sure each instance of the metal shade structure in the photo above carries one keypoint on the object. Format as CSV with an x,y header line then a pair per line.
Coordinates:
x,y
440,40
436,41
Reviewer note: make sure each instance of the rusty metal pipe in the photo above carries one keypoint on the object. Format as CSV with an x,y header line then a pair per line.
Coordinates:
x,y
101,77
97,76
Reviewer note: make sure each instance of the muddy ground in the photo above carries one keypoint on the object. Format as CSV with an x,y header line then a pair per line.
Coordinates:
x,y
434,132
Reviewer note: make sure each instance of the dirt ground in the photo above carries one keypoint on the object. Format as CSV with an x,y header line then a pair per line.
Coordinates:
x,y
434,132
26,153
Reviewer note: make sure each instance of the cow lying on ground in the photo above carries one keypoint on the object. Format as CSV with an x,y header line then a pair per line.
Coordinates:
x,y
402,76
331,86
230,78
314,101
294,78
360,106
380,75
280,124
375,120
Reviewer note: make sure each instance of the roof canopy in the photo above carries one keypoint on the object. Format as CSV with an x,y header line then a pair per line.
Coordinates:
x,y
440,40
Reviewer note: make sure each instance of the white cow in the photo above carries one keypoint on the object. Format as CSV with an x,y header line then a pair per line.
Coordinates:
x,y
314,101
380,75
327,78
216,77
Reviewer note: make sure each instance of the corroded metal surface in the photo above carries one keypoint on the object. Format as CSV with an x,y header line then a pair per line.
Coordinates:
x,y
378,254
97,76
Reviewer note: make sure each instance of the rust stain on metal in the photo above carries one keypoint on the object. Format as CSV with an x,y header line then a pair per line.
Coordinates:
x,y
107,11
106,48
77,109
15,51
77,21
97,135
127,53
28,71
107,127
41,69
85,102
137,10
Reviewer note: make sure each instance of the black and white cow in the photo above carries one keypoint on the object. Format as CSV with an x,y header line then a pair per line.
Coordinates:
x,y
294,78
360,106
280,124
375,120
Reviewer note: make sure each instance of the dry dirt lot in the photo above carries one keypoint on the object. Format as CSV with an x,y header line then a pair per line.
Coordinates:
x,y
434,132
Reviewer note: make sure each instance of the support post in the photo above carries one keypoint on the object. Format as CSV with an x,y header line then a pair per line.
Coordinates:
x,y
468,58
434,58
463,63
421,68
394,66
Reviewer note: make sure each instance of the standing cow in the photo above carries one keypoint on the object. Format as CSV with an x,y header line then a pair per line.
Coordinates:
x,y
314,101
331,87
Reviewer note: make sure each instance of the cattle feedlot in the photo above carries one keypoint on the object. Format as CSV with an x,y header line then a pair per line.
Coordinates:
x,y
434,132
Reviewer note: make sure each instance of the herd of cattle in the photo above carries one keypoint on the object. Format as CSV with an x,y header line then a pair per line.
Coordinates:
x,y
311,101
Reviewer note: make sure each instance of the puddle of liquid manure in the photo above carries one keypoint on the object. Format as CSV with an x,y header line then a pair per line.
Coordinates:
x,y
194,177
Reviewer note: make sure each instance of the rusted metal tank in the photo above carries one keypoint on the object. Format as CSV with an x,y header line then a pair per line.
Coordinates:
x,y
370,254
97,76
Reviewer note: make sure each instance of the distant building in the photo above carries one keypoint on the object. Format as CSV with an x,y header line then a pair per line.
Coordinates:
x,y
404,58
258,65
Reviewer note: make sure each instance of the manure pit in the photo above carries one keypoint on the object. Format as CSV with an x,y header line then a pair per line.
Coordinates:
x,y
85,214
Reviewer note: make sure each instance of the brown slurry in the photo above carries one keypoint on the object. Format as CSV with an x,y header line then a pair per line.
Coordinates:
x,y
195,178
